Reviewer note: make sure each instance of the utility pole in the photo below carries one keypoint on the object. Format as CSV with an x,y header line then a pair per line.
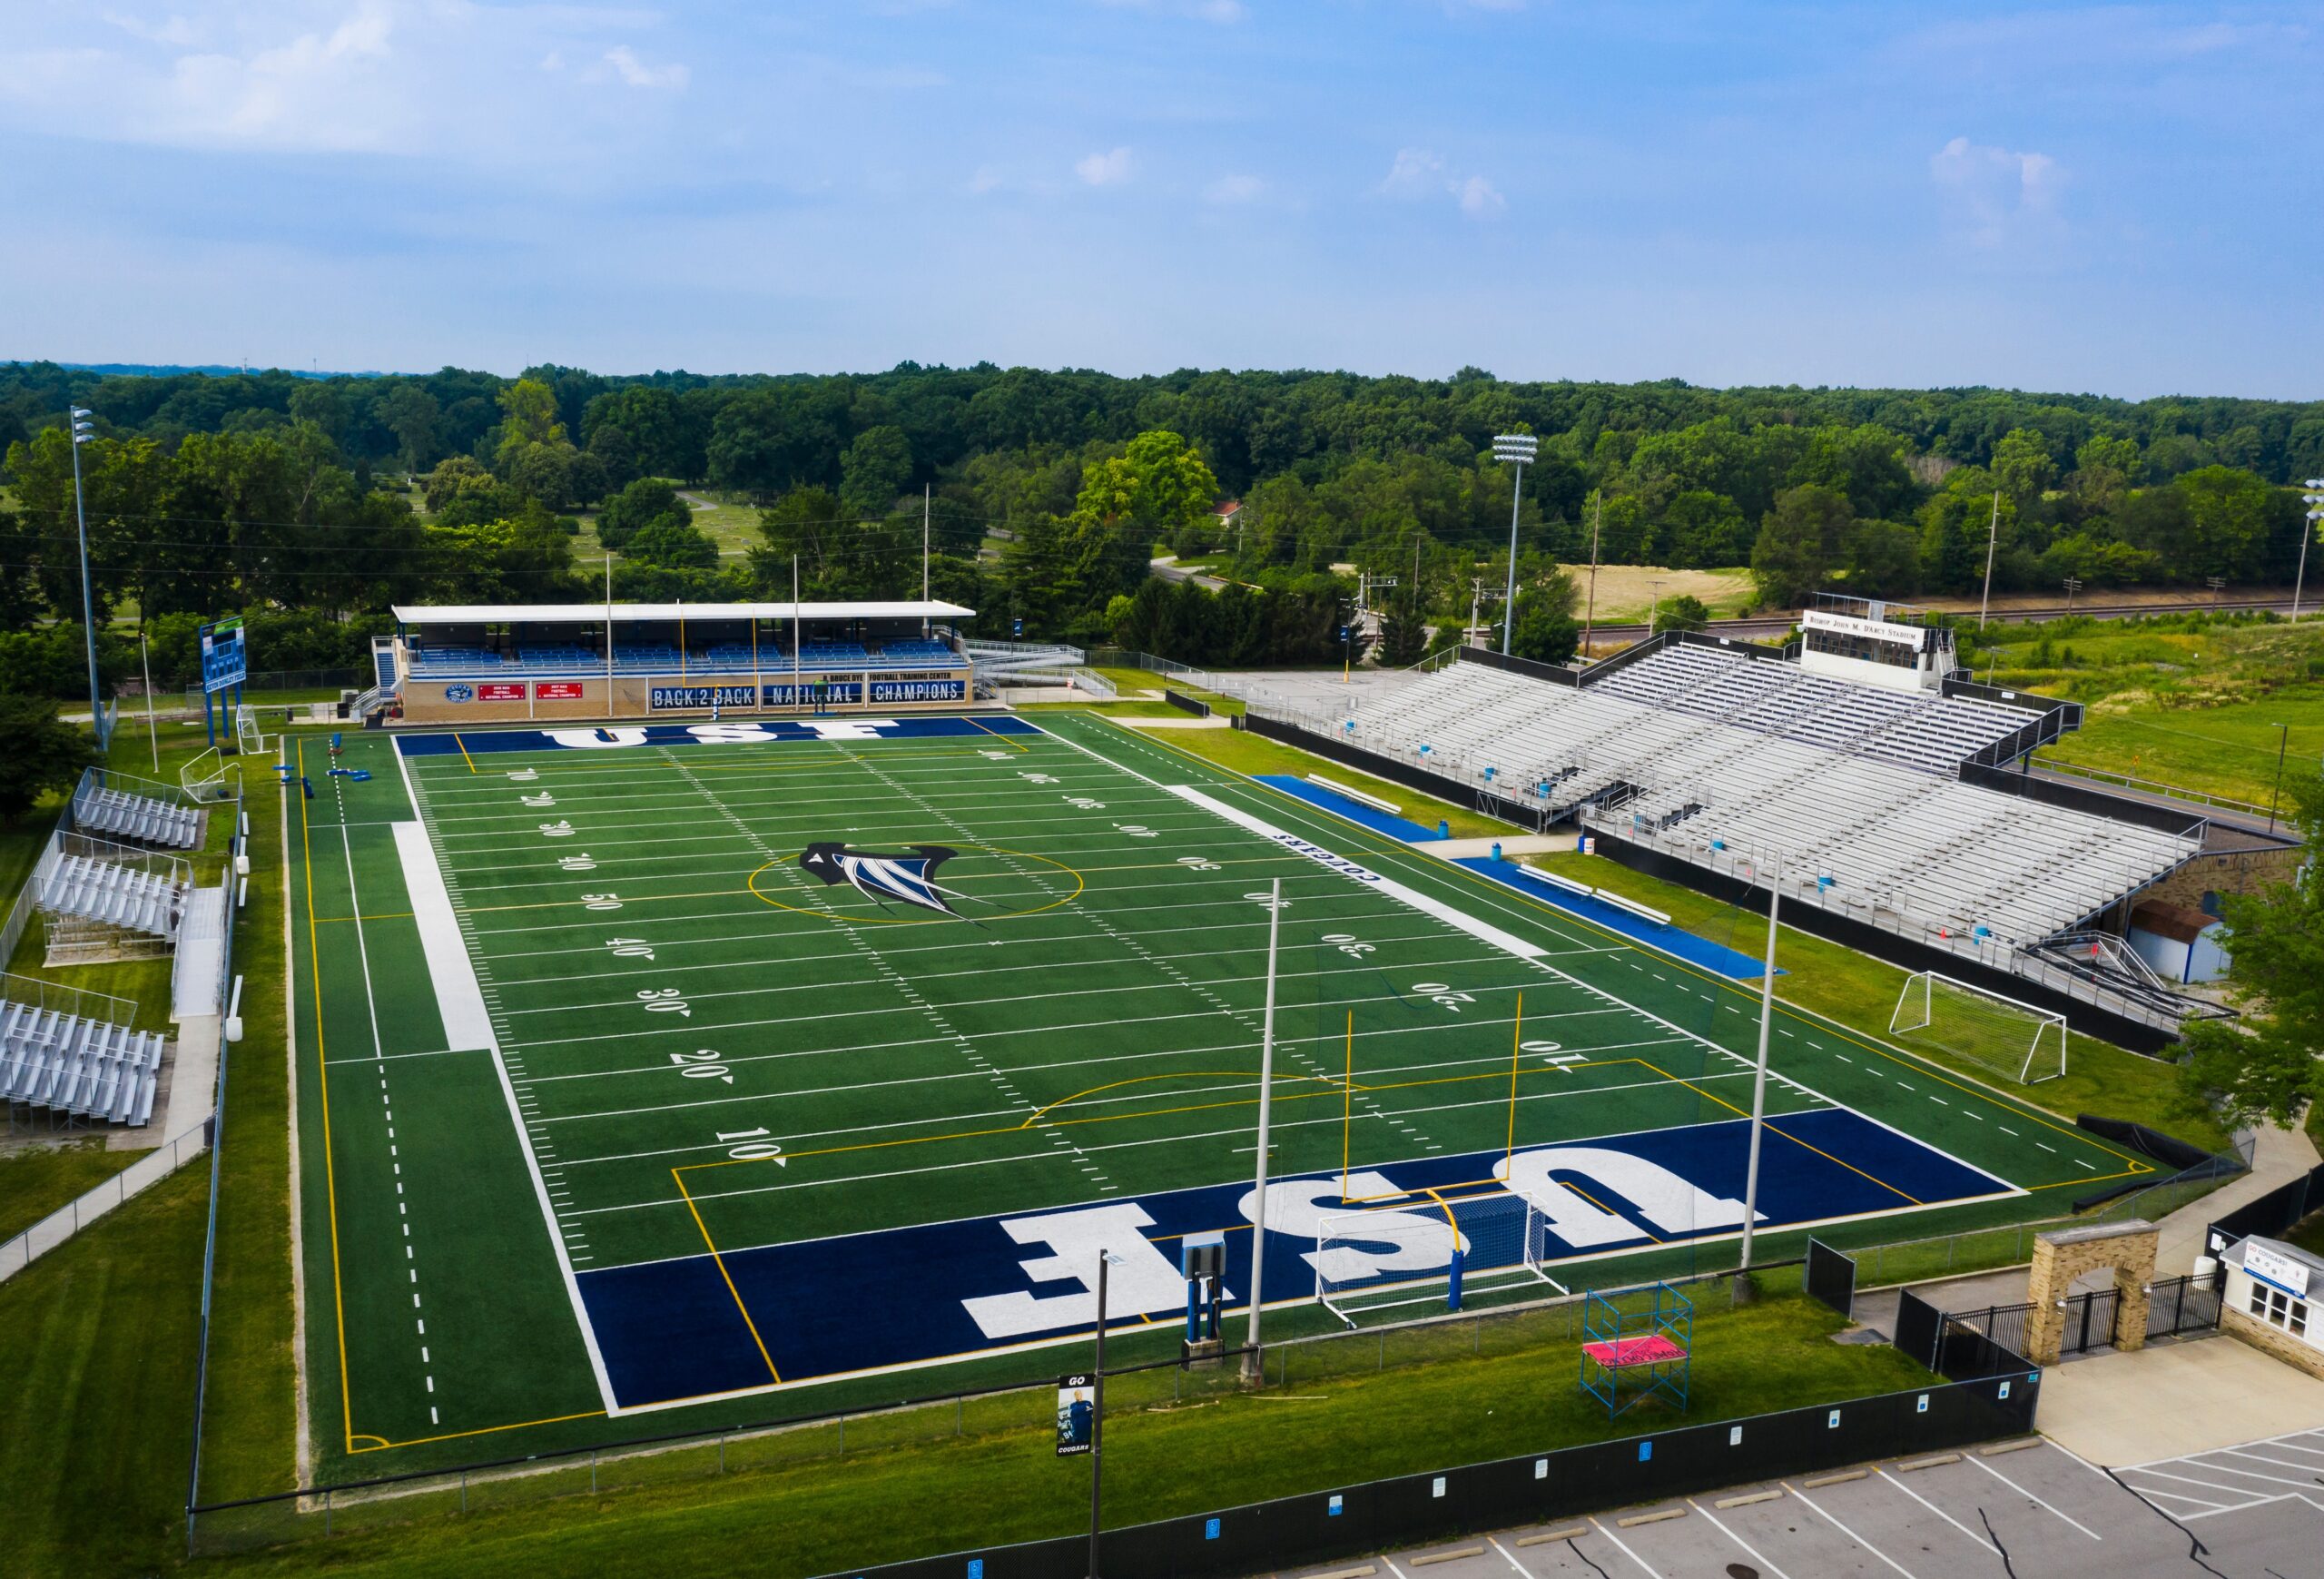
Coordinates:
x,y
1992,540
1590,614
610,635
1476,608
2314,499
153,729
2072,585
2283,743
927,496
1253,1365
1743,1289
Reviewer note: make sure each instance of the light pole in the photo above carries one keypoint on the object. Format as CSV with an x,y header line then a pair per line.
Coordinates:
x,y
1253,1365
1516,450
2314,497
1743,1288
1097,1410
82,431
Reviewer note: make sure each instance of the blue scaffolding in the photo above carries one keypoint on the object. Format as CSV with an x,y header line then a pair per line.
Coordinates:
x,y
1628,1355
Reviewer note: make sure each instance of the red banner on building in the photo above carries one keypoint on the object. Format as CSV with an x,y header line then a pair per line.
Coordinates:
x,y
558,691
500,691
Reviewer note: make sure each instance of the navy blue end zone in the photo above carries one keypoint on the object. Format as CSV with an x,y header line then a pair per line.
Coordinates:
x,y
672,1331
489,739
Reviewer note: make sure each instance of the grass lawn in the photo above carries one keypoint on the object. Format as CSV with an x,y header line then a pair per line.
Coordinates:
x,y
37,1179
2189,702
1163,1459
2309,1233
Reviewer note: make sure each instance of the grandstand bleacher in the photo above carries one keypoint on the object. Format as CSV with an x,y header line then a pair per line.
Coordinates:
x,y
73,1064
142,819
110,893
1727,763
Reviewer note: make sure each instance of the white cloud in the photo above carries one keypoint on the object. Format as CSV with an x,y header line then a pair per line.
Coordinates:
x,y
1996,198
1479,199
1104,169
986,179
1234,189
638,74
1224,11
1416,173
175,31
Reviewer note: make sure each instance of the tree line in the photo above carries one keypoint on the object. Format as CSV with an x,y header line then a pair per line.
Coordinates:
x,y
1044,495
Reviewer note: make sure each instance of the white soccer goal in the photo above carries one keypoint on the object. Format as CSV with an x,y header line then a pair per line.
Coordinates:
x,y
248,735
1997,1034
1386,1257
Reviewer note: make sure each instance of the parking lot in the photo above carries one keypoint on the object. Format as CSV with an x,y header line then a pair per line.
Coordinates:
x,y
2022,1510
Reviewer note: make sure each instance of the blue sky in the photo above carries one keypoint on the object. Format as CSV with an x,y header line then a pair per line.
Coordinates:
x,y
2128,200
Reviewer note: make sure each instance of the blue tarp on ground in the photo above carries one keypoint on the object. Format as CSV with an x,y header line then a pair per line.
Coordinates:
x,y
1670,939
1403,829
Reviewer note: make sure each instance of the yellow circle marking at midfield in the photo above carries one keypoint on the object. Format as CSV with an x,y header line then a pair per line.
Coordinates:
x,y
1078,883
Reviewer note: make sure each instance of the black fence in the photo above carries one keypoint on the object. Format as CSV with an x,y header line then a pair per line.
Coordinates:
x,y
2175,1307
1830,1277
1185,703
2271,1214
1535,1489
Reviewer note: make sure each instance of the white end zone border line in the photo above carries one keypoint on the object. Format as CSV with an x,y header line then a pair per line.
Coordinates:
x,y
451,973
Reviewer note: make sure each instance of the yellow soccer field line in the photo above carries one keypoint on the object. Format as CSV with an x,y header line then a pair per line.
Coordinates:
x,y
1809,1018
482,1431
464,750
1768,1124
1045,1108
727,1276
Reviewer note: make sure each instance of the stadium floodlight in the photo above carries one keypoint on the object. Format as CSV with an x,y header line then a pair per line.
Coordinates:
x,y
1516,450
2314,499
84,430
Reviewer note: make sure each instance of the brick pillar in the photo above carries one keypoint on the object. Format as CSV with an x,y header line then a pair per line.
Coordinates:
x,y
2045,1324
2060,1258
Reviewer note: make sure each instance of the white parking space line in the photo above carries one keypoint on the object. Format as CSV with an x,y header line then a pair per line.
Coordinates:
x,y
2263,1458
1511,1560
1623,1548
1817,1509
1738,1540
2248,1473
2263,1501
2242,1493
1932,1507
2036,1501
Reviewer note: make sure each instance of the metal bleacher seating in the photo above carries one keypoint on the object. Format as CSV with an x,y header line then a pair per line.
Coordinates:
x,y
88,1068
147,819
663,658
111,894
1723,761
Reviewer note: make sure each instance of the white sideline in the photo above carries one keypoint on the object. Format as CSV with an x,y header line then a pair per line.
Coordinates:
x,y
1427,905
459,998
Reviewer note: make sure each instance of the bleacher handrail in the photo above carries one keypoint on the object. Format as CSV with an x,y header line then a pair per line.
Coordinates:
x,y
79,1002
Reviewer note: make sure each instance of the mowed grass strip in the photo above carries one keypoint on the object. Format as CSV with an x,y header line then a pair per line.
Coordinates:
x,y
829,1514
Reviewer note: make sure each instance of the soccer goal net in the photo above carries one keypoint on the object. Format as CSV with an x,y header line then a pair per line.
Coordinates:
x,y
1999,1035
1425,1251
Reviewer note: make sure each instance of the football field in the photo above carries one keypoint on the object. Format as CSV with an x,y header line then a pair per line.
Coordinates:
x,y
658,1064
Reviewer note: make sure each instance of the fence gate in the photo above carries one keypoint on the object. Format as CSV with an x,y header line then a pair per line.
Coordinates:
x,y
2090,1322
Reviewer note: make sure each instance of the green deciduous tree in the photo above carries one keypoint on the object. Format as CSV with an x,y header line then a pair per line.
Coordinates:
x,y
1799,544
636,507
1152,492
874,470
2267,1063
45,756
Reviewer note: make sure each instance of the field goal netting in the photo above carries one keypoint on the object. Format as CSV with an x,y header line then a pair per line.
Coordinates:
x,y
2010,1038
1423,1251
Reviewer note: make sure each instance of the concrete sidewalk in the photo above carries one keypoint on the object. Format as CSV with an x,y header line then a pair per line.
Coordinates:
x,y
2171,1399
2277,1157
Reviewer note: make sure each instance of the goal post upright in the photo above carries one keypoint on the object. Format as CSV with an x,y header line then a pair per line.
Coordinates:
x,y
2005,1035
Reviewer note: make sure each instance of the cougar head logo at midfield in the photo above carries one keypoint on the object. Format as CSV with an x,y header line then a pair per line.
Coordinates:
x,y
908,877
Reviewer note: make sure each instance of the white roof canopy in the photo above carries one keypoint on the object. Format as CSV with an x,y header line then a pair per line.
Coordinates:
x,y
664,613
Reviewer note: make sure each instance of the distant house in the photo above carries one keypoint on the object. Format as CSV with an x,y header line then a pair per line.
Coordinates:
x,y
1228,514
